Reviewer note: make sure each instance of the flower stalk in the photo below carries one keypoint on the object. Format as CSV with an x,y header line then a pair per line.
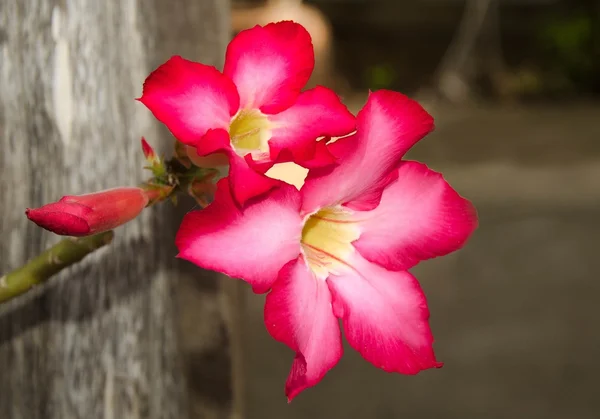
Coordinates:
x,y
39,269
170,178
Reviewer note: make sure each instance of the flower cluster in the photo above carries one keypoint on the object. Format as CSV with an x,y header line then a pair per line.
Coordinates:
x,y
253,114
337,248
341,246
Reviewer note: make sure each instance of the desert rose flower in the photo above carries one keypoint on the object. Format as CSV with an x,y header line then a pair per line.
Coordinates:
x,y
252,115
340,247
93,213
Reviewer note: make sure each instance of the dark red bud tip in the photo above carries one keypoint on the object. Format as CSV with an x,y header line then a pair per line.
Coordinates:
x,y
147,149
58,222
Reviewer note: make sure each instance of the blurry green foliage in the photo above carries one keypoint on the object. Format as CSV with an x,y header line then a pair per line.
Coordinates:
x,y
572,47
380,76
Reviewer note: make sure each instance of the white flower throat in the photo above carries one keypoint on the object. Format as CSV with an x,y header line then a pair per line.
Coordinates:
x,y
327,238
250,131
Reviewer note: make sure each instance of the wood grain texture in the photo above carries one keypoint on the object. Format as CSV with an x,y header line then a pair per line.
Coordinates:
x,y
106,339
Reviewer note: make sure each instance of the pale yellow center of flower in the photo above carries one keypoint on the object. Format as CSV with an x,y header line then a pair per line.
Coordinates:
x,y
327,239
249,131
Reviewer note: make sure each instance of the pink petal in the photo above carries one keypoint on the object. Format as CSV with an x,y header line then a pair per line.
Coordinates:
x,y
370,199
317,113
385,316
270,65
215,141
245,182
387,126
253,244
419,217
298,313
190,98
322,157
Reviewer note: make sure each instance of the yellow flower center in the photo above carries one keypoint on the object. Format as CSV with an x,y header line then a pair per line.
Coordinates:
x,y
249,131
327,238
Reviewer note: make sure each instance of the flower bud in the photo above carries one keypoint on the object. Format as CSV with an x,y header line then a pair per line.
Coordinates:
x,y
148,151
84,215
156,164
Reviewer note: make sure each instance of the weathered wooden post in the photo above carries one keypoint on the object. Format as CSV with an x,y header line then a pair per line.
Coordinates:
x,y
105,340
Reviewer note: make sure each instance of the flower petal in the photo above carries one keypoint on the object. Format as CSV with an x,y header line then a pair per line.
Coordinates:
x,y
419,217
253,244
245,182
385,316
270,65
322,157
388,125
215,141
317,113
298,313
190,98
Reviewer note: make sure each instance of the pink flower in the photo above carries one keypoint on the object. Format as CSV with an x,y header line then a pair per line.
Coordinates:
x,y
89,214
253,112
340,247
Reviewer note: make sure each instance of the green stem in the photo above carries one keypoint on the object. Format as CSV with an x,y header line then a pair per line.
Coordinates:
x,y
175,179
65,253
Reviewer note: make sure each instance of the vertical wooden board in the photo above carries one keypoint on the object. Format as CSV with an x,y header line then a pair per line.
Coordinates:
x,y
102,340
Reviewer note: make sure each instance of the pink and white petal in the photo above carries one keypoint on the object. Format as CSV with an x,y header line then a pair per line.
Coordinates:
x,y
214,142
298,313
322,157
371,198
387,127
419,217
384,316
270,65
317,113
190,98
260,162
245,183
253,244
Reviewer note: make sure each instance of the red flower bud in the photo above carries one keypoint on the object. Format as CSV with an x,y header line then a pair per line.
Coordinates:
x,y
156,164
89,214
148,151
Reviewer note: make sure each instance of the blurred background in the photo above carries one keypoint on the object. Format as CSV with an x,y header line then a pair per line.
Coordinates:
x,y
514,86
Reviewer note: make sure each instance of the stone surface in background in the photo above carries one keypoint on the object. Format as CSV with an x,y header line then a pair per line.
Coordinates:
x,y
514,313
